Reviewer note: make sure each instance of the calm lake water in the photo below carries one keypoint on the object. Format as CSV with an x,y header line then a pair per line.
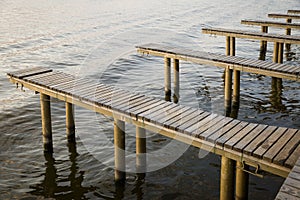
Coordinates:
x,y
96,39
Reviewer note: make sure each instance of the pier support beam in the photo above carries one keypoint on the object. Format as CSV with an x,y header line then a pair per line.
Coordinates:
x,y
176,81
119,142
167,79
46,123
242,180
227,179
263,44
70,124
141,162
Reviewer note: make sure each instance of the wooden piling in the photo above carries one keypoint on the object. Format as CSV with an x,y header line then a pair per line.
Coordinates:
x,y
288,32
141,162
119,142
176,81
167,76
70,124
227,179
275,52
228,81
263,44
46,122
242,180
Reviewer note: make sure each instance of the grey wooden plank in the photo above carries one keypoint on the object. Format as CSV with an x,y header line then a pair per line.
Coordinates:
x,y
202,121
204,125
184,121
293,157
169,114
285,196
194,118
150,117
249,138
267,144
291,190
239,136
29,72
147,112
38,76
146,105
285,16
231,133
137,103
259,139
218,126
180,117
276,148
222,131
125,100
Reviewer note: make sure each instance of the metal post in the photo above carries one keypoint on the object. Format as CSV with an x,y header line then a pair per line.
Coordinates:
x,y
46,122
141,162
242,179
227,179
263,44
119,142
176,81
70,125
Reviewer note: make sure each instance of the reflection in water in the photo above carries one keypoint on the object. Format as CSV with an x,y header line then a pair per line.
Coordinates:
x,y
276,95
50,186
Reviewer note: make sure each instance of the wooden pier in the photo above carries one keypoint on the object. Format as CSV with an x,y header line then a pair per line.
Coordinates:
x,y
242,145
267,148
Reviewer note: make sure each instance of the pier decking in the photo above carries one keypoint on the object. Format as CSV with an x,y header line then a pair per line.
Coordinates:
x,y
272,149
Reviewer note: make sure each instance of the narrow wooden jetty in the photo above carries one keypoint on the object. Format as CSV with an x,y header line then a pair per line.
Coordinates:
x,y
291,186
293,11
284,16
266,148
253,35
276,24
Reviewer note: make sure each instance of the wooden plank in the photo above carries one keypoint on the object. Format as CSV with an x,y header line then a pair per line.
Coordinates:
x,y
293,157
253,35
279,145
231,133
29,72
223,130
283,16
267,144
193,119
293,11
174,115
249,138
201,122
180,117
218,126
146,105
239,136
199,128
291,189
191,115
271,24
150,116
285,196
250,148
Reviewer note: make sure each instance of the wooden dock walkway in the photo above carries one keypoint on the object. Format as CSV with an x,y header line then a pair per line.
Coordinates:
x,y
267,148
276,24
291,186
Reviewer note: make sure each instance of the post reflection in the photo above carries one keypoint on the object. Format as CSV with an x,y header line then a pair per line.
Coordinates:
x,y
54,186
276,95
